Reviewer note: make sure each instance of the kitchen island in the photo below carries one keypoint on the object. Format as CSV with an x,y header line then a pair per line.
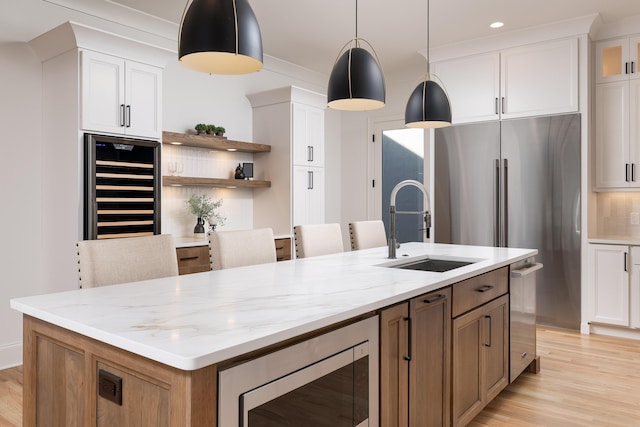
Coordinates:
x,y
168,338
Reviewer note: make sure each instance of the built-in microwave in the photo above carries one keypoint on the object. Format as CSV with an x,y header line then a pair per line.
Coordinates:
x,y
327,381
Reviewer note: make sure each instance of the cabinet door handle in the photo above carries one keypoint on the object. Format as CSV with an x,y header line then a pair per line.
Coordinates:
x,y
309,153
407,357
626,172
497,112
503,105
310,180
626,68
633,172
490,327
128,117
122,115
434,299
625,261
484,288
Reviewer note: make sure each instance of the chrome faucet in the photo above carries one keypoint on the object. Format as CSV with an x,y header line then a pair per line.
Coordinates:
x,y
393,241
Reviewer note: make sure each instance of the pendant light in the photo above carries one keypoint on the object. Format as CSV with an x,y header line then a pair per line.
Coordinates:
x,y
428,105
220,37
356,82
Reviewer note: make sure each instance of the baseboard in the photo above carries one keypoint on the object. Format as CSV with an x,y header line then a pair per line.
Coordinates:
x,y
614,331
10,355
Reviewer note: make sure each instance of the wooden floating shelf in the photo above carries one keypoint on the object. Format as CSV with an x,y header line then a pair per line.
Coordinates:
x,y
213,182
213,143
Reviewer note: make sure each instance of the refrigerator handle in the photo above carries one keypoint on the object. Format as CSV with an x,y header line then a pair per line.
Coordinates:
x,y
505,197
496,199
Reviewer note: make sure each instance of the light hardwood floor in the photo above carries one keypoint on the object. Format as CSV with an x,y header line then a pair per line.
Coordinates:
x,y
584,381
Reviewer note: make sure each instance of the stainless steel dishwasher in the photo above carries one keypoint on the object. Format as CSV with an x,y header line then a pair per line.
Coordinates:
x,y
522,323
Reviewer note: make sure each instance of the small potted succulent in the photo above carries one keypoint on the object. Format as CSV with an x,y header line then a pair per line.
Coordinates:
x,y
204,209
201,128
211,129
220,131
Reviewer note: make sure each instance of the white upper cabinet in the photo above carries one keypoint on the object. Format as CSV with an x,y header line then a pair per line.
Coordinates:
x,y
617,144
617,59
539,79
473,86
120,96
308,135
532,80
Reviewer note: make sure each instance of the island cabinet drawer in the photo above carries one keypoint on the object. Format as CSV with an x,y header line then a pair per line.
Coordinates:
x,y
194,259
474,292
283,248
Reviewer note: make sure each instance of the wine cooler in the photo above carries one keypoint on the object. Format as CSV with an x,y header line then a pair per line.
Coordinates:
x,y
122,187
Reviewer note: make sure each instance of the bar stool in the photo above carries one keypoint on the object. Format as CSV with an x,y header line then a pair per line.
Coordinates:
x,y
317,239
367,234
127,259
228,249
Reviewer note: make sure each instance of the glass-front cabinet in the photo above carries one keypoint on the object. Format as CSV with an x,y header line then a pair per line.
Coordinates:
x,y
617,59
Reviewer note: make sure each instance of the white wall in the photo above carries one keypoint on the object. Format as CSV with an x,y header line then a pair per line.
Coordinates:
x,y
191,97
20,190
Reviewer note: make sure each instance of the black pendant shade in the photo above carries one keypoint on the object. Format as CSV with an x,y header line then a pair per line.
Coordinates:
x,y
428,107
356,82
220,37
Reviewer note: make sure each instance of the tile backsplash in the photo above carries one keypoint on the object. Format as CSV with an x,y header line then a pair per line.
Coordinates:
x,y
618,214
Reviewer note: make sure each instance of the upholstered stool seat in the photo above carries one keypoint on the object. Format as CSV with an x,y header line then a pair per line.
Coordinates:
x,y
229,249
128,259
317,239
367,234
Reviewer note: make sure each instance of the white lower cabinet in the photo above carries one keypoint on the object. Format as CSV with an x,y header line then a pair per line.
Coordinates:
x,y
308,195
635,287
609,291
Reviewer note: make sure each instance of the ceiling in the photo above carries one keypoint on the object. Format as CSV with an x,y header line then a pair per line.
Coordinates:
x,y
310,33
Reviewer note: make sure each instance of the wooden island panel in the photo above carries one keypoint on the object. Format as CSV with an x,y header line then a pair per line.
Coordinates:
x,y
61,384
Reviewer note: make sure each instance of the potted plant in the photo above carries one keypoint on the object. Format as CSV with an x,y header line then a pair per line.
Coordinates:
x,y
211,129
220,131
201,128
204,209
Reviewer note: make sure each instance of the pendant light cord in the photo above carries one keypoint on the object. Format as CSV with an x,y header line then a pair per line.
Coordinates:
x,y
356,19
428,41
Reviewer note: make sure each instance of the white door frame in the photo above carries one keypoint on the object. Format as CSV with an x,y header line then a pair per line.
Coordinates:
x,y
374,167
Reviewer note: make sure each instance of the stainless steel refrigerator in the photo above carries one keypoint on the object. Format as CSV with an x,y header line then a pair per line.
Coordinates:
x,y
516,183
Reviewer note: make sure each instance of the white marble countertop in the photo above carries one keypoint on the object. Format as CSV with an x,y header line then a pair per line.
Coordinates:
x,y
196,320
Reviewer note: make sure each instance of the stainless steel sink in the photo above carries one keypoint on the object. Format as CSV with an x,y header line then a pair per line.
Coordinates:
x,y
438,265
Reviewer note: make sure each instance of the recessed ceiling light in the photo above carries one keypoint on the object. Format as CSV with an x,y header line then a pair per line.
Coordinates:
x,y
497,24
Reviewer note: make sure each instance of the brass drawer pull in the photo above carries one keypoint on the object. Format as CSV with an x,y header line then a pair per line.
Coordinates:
x,y
485,288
